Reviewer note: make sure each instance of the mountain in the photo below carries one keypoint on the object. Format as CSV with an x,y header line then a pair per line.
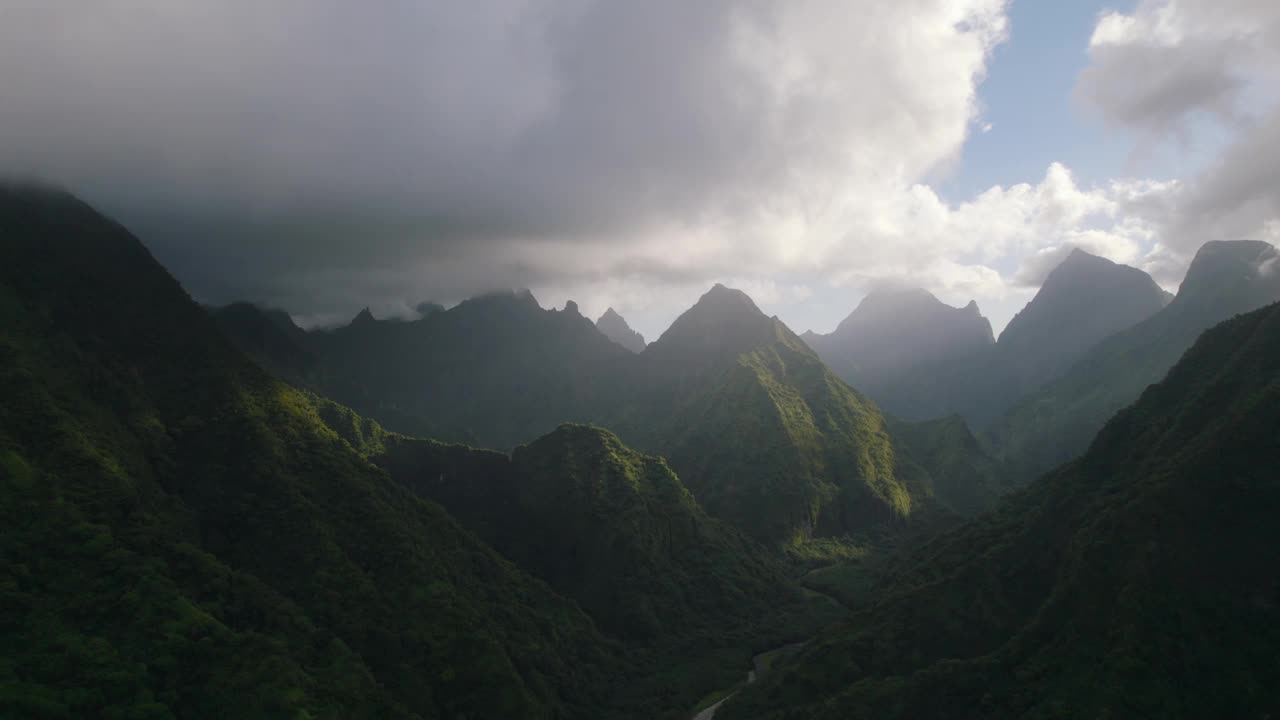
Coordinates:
x,y
270,337
617,531
1136,581
616,329
760,430
921,359
184,537
895,336
496,370
1082,301
1057,421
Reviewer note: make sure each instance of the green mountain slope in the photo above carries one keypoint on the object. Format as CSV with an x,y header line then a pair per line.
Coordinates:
x,y
612,528
618,532
760,430
1057,422
185,538
963,475
1134,582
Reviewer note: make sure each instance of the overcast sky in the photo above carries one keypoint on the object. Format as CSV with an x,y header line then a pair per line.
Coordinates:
x,y
321,156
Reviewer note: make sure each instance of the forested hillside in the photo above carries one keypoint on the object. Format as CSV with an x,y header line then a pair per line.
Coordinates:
x,y
185,537
1133,582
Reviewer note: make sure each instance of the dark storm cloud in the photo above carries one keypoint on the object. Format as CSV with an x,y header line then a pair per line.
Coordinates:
x,y
306,152
246,140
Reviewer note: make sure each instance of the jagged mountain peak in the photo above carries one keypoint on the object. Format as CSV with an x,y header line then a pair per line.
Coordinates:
x,y
364,317
615,327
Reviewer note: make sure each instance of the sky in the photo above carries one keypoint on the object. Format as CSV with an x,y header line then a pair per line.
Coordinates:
x,y
324,156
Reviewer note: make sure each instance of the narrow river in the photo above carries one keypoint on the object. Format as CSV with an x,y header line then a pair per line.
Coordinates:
x,y
759,664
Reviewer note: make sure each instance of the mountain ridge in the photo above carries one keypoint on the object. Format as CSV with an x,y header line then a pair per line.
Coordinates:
x,y
1058,421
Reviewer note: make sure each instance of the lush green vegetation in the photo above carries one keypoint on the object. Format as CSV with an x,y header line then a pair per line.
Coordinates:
x,y
759,429
1136,581
184,537
1058,421
618,532
961,474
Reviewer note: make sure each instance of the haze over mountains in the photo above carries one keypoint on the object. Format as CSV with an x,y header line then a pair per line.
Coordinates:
x,y
212,512
920,358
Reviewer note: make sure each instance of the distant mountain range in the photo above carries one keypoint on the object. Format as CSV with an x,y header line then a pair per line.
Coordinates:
x,y
741,407
922,359
750,418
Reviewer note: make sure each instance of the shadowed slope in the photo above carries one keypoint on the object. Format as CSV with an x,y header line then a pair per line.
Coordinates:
x,y
1133,582
1057,422
184,537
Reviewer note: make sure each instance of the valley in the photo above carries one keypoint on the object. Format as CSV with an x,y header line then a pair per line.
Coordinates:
x,y
212,508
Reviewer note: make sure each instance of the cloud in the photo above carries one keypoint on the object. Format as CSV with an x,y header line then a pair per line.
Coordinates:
x,y
1163,72
314,154
1156,68
328,155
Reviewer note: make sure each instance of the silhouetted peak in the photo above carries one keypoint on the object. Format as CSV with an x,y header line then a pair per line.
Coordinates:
x,y
571,308
898,299
723,320
1229,265
1083,300
502,298
1078,267
365,317
910,310
615,327
725,299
